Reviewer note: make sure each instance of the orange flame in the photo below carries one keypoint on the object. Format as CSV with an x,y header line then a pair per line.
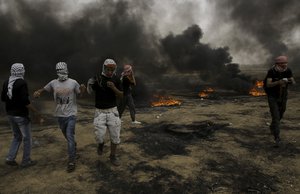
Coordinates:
x,y
165,101
205,93
257,89
259,84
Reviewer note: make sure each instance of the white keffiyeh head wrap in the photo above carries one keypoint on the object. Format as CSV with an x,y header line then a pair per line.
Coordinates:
x,y
62,71
17,71
109,63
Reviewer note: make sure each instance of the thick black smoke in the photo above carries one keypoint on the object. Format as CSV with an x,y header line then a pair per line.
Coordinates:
x,y
38,35
34,34
270,22
189,55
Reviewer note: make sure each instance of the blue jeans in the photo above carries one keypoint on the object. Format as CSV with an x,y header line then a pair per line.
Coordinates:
x,y
67,126
21,128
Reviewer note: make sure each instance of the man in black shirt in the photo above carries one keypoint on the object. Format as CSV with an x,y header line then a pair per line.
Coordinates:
x,y
17,104
277,80
128,80
107,88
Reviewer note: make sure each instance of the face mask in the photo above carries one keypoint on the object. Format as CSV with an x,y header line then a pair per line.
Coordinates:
x,y
62,76
109,70
280,67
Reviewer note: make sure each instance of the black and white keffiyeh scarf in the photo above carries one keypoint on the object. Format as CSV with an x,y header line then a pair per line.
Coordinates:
x,y
17,71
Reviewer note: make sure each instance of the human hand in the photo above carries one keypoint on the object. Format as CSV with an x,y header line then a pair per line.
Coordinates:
x,y
82,88
37,94
110,84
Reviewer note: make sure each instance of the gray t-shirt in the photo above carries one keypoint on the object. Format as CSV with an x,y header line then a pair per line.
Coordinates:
x,y
64,93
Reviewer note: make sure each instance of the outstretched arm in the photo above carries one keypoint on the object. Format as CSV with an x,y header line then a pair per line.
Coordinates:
x,y
38,93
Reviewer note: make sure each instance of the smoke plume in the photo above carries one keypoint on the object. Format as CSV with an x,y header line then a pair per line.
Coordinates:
x,y
274,24
40,34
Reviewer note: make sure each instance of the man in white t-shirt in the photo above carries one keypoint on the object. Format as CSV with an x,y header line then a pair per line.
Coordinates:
x,y
64,91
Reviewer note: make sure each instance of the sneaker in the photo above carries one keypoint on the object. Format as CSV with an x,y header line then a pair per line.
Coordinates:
x,y
114,160
136,122
28,164
100,149
11,163
71,167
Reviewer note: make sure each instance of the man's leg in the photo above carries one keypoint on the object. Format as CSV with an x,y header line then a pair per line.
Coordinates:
x,y
114,126
100,129
15,144
25,128
66,125
275,113
70,134
131,107
122,105
282,107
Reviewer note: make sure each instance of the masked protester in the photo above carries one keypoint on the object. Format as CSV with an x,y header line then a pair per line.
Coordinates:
x,y
107,88
16,97
64,91
277,80
128,80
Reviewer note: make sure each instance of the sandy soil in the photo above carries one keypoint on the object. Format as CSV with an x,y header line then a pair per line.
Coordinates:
x,y
220,145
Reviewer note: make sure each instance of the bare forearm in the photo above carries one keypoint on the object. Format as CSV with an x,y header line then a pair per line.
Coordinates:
x,y
38,93
292,80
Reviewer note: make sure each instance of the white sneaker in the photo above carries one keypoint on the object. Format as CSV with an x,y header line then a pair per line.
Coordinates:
x,y
136,122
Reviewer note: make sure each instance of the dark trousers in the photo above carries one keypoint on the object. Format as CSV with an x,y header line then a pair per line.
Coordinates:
x,y
277,108
127,100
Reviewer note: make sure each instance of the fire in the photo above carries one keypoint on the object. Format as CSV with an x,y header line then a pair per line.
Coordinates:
x,y
258,90
205,93
165,101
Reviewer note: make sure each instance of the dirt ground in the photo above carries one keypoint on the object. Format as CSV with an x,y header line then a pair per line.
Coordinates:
x,y
220,145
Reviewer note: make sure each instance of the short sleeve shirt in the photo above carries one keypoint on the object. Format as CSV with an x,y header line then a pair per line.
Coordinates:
x,y
276,76
64,93
105,97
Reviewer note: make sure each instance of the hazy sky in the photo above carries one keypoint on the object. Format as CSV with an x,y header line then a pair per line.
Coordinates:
x,y
254,30
224,23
